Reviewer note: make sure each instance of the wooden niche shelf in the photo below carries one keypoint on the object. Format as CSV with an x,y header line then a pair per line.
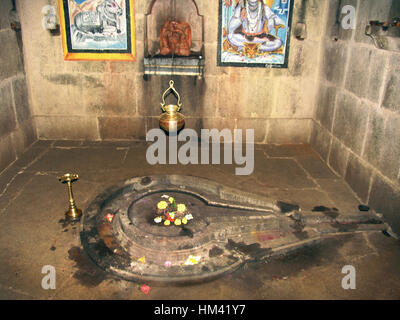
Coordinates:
x,y
173,10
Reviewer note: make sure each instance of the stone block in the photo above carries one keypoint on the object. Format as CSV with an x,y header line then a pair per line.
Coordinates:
x,y
333,21
67,128
24,136
245,96
68,94
211,68
325,107
315,167
370,10
119,98
334,61
199,96
314,11
7,115
350,121
218,123
389,162
10,56
392,85
334,27
342,196
259,126
288,130
376,67
294,99
122,128
358,70
358,176
320,140
365,72
281,173
210,20
142,7
7,153
85,66
194,123
286,150
5,7
21,99
376,138
152,123
385,199
338,157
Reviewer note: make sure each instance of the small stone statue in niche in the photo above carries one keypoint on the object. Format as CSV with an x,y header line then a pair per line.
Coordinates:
x,y
175,38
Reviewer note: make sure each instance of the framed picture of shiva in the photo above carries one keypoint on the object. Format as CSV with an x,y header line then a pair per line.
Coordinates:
x,y
254,33
98,29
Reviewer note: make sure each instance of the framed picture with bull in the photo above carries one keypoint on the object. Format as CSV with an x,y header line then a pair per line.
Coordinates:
x,y
98,29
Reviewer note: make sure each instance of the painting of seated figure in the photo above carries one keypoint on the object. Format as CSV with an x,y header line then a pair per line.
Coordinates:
x,y
254,32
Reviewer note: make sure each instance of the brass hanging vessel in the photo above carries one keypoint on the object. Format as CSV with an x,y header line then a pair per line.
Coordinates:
x,y
171,120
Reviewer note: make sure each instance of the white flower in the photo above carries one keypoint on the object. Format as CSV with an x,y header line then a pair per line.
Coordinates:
x,y
192,260
157,220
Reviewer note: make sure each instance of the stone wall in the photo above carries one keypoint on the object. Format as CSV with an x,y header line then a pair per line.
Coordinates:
x,y
104,100
17,130
357,117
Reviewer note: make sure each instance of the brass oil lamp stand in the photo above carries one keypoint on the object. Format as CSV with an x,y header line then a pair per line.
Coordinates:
x,y
73,213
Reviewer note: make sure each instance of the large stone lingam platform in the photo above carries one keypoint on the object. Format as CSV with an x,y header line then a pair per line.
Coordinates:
x,y
229,228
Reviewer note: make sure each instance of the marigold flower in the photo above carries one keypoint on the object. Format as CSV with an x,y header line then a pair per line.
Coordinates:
x,y
162,205
181,207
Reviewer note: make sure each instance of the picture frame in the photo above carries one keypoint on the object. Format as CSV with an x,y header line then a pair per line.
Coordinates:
x,y
98,29
254,33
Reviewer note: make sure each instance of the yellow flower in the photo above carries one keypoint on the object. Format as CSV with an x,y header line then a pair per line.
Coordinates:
x,y
178,222
181,207
162,205
184,221
171,200
167,222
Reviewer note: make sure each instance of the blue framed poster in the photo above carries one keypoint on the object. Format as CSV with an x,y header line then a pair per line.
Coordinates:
x,y
254,33
98,29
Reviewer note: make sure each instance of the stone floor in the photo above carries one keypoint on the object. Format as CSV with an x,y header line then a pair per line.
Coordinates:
x,y
33,201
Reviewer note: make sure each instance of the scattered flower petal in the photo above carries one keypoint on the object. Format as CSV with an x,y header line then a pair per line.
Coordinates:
x,y
109,217
145,289
168,264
